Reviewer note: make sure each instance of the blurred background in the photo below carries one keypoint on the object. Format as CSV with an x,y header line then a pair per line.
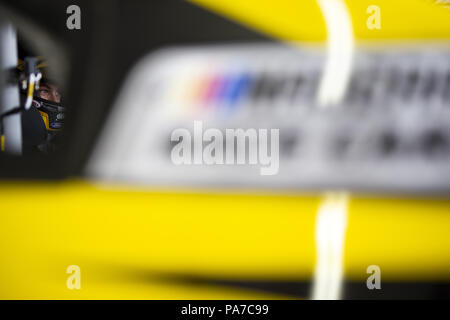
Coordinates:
x,y
91,93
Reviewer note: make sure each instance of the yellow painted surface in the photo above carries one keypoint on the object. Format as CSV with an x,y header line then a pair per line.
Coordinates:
x,y
295,20
129,244
117,236
408,238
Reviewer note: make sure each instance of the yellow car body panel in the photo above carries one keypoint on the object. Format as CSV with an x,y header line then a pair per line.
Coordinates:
x,y
293,20
130,244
